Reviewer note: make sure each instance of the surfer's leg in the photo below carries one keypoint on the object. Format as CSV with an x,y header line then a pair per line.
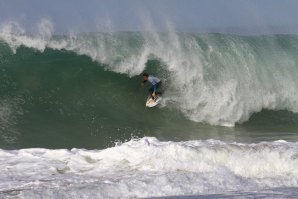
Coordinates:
x,y
159,84
157,88
151,90
155,91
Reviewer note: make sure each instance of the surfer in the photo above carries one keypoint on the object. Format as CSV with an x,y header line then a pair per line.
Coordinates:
x,y
155,82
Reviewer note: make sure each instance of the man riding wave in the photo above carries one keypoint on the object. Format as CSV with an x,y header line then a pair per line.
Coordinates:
x,y
155,84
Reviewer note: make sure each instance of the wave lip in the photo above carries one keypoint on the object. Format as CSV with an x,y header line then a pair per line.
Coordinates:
x,y
214,78
164,168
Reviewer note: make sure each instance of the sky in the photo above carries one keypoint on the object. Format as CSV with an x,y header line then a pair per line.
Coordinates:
x,y
225,16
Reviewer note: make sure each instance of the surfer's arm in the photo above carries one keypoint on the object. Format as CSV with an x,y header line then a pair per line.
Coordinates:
x,y
143,82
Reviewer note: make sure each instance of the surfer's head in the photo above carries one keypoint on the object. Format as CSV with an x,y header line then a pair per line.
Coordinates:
x,y
145,76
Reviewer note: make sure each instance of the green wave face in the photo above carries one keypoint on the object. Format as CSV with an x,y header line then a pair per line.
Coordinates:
x,y
85,90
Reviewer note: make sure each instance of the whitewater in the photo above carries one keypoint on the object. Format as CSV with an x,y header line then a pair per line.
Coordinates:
x,y
73,123
217,79
149,168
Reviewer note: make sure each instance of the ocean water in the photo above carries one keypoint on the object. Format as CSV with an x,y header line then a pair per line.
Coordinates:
x,y
73,121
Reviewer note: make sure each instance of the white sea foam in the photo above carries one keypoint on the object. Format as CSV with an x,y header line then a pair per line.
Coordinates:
x,y
16,36
147,168
219,80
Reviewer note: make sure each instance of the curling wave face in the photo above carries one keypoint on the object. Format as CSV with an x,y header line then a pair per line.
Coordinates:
x,y
218,79
212,78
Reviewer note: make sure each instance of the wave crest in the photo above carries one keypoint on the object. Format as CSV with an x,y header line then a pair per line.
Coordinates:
x,y
217,79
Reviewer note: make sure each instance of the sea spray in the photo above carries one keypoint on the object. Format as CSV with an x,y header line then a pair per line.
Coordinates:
x,y
214,78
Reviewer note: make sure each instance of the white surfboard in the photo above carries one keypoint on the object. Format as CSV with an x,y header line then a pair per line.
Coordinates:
x,y
151,103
